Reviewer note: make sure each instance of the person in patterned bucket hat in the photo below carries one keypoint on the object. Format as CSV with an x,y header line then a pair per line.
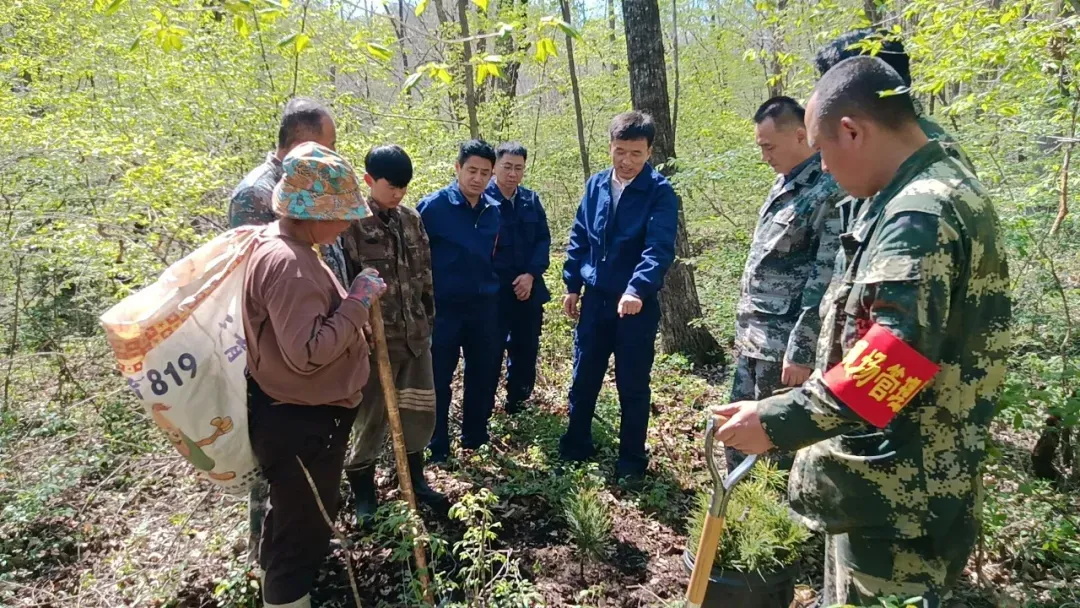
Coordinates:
x,y
307,361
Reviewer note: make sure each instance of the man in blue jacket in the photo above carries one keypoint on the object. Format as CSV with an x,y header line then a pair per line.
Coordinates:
x,y
463,225
521,257
621,245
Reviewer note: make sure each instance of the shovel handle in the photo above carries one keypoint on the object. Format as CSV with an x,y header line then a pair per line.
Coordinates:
x,y
703,561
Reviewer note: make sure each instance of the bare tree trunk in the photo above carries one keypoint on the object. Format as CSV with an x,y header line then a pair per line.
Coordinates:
x,y
1063,182
583,149
771,47
611,33
679,303
872,12
675,64
470,88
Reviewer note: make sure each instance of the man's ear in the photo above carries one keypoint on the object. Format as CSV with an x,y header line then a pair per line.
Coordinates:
x,y
370,181
849,129
800,136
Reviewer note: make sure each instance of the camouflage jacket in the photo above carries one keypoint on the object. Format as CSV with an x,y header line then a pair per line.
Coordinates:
x,y
395,243
927,263
789,266
250,204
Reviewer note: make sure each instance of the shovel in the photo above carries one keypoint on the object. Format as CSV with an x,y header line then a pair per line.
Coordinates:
x,y
714,521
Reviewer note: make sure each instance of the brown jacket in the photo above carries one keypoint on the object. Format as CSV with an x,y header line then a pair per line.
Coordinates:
x,y
305,342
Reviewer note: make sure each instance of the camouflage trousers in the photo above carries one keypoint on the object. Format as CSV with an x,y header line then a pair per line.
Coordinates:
x,y
754,379
859,569
416,401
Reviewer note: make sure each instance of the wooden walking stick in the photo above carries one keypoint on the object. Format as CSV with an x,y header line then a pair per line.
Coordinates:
x,y
389,389
714,521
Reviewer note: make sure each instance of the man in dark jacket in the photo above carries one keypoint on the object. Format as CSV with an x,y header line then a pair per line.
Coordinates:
x,y
463,225
521,257
621,245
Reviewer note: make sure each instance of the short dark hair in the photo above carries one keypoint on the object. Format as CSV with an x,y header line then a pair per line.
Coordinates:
x,y
856,87
301,114
512,148
475,147
846,46
782,110
389,162
633,125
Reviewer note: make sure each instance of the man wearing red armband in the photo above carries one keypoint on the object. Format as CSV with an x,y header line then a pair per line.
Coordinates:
x,y
893,425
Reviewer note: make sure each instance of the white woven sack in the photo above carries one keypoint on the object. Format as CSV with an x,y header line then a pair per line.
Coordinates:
x,y
180,345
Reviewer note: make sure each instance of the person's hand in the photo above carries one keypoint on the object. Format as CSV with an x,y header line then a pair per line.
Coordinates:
x,y
741,428
570,305
523,286
629,305
366,287
793,374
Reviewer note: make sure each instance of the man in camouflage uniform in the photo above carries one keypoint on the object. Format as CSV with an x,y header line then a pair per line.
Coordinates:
x,y
393,242
790,262
890,49
303,120
898,499
250,204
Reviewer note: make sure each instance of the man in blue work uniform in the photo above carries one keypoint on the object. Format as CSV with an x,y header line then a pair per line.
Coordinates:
x,y
521,257
621,245
463,225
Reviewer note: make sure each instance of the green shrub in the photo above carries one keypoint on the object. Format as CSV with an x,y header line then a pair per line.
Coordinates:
x,y
760,534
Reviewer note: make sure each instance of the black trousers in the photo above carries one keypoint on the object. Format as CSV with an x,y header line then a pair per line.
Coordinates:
x,y
295,535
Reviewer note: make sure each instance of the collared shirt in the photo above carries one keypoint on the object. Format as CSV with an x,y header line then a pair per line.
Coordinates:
x,y
617,187
394,242
629,252
925,261
789,266
463,241
524,245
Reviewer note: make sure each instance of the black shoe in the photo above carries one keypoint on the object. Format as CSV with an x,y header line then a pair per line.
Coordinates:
x,y
629,477
424,493
575,452
514,407
362,482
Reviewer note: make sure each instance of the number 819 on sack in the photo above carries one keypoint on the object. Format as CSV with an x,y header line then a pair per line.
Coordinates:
x,y
159,380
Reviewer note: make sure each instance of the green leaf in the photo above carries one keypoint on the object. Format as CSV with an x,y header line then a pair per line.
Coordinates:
x,y
485,70
570,31
302,42
114,6
289,40
442,73
411,81
421,7
545,47
483,4
379,51
241,26
894,92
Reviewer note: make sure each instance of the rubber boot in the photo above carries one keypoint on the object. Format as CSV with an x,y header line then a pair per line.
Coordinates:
x,y
424,493
362,482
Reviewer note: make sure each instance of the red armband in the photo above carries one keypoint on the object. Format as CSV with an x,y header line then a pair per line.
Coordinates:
x,y
879,376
